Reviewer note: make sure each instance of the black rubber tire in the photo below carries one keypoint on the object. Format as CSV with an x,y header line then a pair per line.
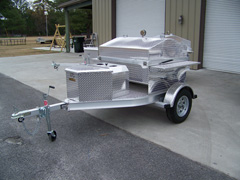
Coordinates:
x,y
52,136
172,112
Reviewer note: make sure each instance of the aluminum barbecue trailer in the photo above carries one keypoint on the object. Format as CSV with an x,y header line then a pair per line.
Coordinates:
x,y
177,101
128,72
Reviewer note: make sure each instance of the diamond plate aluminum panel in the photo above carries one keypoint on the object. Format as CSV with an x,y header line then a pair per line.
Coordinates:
x,y
95,86
137,73
89,83
72,85
97,82
160,80
120,84
120,75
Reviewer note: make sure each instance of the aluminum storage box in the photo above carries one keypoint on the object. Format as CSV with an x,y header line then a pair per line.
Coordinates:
x,y
120,76
89,83
96,82
91,52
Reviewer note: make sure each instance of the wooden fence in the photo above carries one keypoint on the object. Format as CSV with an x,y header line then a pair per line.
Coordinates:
x,y
12,41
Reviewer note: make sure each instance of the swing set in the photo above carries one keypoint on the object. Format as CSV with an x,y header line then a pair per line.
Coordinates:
x,y
58,39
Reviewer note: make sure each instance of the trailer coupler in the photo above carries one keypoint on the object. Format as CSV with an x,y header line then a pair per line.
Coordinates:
x,y
41,112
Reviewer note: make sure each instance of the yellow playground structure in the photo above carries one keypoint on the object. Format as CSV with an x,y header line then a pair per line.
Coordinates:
x,y
58,39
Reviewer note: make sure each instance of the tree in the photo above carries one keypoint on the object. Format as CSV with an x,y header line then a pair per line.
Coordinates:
x,y
81,21
42,4
31,23
15,23
26,18
21,4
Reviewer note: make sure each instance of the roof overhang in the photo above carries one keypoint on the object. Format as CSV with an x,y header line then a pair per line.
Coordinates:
x,y
76,4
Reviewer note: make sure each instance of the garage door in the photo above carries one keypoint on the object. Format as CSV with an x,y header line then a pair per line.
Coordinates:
x,y
135,15
222,36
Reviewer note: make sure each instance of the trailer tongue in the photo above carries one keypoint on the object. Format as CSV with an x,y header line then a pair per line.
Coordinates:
x,y
128,72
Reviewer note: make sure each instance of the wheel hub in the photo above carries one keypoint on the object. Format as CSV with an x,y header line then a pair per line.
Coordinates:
x,y
182,106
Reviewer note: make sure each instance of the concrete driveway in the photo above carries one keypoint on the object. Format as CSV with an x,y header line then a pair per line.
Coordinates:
x,y
211,134
86,148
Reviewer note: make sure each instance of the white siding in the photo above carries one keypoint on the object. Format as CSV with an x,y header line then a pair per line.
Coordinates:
x,y
135,15
222,36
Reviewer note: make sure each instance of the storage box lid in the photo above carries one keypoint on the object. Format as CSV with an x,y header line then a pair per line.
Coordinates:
x,y
87,69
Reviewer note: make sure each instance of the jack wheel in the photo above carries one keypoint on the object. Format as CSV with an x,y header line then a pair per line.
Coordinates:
x,y
52,136
21,119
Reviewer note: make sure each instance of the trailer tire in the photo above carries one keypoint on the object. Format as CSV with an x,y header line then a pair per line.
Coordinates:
x,y
181,108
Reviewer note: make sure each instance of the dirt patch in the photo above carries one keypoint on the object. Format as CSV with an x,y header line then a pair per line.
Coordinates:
x,y
23,50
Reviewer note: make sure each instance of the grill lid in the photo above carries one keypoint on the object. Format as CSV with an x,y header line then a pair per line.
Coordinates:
x,y
146,48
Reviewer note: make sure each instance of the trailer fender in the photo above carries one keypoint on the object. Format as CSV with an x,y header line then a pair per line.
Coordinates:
x,y
172,92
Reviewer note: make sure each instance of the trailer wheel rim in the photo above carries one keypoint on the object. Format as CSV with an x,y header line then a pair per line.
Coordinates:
x,y
182,106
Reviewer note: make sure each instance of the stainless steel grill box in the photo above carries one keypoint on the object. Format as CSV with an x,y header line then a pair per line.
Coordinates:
x,y
144,57
138,54
128,72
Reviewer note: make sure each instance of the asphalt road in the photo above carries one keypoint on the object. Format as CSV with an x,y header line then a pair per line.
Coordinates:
x,y
86,147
